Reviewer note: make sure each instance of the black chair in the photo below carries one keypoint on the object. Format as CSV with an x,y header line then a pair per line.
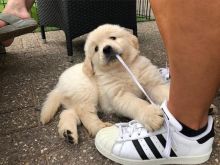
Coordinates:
x,y
78,17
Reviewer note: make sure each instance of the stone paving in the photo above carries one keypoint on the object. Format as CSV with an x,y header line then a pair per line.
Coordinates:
x,y
28,72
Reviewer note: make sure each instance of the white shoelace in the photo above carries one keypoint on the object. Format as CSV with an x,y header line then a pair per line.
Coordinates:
x,y
134,78
134,126
130,128
169,138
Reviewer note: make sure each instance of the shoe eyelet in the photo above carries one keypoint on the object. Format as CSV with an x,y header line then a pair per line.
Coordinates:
x,y
139,134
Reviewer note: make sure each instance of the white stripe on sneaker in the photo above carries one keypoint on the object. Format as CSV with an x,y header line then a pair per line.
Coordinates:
x,y
163,142
146,149
158,144
140,150
153,147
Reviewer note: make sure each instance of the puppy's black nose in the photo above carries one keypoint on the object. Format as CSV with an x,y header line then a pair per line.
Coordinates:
x,y
107,50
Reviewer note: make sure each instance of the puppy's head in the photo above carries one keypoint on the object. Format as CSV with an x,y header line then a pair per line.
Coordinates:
x,y
104,43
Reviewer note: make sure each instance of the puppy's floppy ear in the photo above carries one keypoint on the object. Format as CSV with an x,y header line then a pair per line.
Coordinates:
x,y
88,67
134,41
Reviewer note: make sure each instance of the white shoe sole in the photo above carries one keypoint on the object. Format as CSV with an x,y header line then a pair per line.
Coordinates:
x,y
173,160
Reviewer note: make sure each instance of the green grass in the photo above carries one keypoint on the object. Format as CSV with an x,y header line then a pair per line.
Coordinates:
x,y
1,7
2,2
143,19
34,12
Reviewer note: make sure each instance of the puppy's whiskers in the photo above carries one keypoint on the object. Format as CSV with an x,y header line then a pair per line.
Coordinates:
x,y
134,78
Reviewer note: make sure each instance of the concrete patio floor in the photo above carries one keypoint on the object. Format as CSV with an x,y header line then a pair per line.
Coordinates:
x,y
28,72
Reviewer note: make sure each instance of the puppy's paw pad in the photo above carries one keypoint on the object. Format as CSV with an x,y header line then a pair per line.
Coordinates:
x,y
69,138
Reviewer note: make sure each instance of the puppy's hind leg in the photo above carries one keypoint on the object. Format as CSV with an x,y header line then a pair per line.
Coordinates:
x,y
67,126
50,106
89,118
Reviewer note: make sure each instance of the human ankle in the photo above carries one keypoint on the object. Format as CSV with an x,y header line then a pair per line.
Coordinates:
x,y
193,124
190,120
192,132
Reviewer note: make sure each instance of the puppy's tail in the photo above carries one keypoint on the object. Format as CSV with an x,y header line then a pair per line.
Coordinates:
x,y
50,106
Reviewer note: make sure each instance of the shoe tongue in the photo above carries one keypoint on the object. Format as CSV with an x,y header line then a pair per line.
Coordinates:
x,y
170,117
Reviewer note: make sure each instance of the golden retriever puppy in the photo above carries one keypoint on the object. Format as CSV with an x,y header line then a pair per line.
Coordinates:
x,y
102,81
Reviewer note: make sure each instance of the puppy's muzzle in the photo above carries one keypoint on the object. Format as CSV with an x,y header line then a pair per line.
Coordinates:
x,y
109,52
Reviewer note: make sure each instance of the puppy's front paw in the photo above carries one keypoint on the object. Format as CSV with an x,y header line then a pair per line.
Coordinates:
x,y
152,118
68,132
69,137
95,128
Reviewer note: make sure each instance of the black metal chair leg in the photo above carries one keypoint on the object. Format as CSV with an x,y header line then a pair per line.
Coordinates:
x,y
69,46
43,35
2,51
135,31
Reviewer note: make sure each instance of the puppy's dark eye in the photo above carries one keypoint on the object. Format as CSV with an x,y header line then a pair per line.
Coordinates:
x,y
113,38
96,48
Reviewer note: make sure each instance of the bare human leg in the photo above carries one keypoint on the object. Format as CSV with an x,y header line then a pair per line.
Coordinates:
x,y
190,31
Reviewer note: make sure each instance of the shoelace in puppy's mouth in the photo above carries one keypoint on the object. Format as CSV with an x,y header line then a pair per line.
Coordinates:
x,y
134,78
134,126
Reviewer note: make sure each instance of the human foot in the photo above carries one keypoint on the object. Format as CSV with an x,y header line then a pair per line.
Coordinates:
x,y
130,143
16,9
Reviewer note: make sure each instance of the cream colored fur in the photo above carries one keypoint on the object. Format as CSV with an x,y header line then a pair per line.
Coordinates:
x,y
99,82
